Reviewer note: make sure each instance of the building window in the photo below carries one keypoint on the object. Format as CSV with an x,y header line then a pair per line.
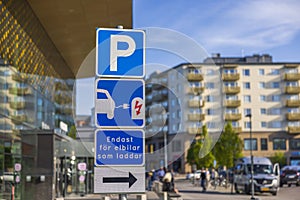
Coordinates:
x,y
247,124
264,144
210,72
210,111
247,111
210,98
276,98
175,127
151,148
275,85
246,85
275,111
173,115
279,144
275,124
211,125
291,84
274,72
295,144
247,145
247,98
262,98
263,124
262,85
263,111
261,72
210,85
235,124
246,72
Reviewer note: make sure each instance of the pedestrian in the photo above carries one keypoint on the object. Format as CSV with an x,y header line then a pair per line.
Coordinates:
x,y
161,174
151,175
203,179
167,181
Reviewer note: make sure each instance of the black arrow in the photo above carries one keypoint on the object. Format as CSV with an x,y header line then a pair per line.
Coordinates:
x,y
131,179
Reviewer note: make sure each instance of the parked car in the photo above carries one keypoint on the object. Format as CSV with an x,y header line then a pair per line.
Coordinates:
x,y
290,175
265,175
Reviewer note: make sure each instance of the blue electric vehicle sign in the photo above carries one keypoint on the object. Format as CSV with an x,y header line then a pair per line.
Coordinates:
x,y
119,147
119,103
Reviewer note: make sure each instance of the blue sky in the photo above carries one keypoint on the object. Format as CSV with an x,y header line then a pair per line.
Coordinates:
x,y
232,28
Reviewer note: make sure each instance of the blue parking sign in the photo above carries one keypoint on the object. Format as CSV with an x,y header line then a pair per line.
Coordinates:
x,y
119,103
120,53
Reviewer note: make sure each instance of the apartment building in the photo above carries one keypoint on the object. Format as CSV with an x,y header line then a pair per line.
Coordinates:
x,y
221,90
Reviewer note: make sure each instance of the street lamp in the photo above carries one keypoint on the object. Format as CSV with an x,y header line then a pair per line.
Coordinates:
x,y
165,115
251,157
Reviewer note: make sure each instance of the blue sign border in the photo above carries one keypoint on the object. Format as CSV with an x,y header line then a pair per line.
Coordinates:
x,y
101,139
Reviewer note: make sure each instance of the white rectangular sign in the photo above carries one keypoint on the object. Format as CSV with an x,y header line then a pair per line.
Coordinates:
x,y
119,180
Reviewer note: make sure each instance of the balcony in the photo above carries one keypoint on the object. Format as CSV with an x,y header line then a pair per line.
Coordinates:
x,y
232,103
19,91
233,117
195,103
291,65
292,90
194,130
230,77
19,77
230,66
292,103
18,119
196,117
237,129
293,116
292,77
232,90
195,89
194,77
17,105
294,129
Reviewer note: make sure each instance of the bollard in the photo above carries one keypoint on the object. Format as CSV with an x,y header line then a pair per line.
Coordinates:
x,y
141,197
106,198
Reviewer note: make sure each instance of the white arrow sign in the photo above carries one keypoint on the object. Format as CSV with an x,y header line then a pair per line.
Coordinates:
x,y
119,180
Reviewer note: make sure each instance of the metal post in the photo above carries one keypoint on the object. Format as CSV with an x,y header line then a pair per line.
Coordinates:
x,y
65,176
251,157
165,149
122,196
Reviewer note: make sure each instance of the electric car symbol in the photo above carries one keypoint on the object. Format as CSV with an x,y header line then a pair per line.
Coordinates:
x,y
107,105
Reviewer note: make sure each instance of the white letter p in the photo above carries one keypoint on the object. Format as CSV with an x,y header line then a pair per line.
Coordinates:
x,y
115,53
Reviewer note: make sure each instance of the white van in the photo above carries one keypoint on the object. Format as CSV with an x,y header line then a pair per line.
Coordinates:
x,y
266,177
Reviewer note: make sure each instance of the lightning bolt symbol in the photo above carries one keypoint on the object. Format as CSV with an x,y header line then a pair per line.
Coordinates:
x,y
138,107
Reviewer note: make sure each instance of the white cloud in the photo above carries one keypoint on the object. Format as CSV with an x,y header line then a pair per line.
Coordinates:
x,y
262,24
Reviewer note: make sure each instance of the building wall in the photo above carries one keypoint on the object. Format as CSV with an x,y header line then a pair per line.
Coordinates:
x,y
214,94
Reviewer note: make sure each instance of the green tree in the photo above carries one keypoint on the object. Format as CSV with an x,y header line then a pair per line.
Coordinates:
x,y
279,158
199,152
228,148
72,132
